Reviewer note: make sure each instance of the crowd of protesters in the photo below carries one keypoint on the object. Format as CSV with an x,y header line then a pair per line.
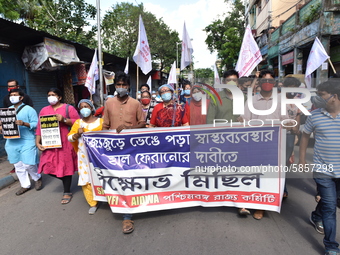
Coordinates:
x,y
171,108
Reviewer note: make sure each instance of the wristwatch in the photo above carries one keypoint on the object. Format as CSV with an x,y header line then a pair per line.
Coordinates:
x,y
65,119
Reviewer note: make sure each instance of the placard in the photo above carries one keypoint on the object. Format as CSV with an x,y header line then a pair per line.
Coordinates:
x,y
50,132
10,130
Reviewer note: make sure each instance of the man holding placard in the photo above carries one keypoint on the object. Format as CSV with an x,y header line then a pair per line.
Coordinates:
x,y
22,151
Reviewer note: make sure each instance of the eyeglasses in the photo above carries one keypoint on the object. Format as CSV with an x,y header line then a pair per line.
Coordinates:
x,y
165,91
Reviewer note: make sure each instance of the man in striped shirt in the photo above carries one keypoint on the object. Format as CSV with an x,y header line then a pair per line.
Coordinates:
x,y
325,122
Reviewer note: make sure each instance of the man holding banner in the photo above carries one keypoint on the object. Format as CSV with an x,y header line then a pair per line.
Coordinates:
x,y
22,151
123,112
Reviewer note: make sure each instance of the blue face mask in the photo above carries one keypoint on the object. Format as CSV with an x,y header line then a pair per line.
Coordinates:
x,y
166,96
187,92
85,112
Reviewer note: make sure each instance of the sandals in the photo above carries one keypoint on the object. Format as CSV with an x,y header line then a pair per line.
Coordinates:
x,y
92,210
128,226
22,191
243,211
65,200
258,214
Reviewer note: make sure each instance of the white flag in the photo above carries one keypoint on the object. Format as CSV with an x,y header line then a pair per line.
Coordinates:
x,y
172,75
316,57
187,49
142,55
92,75
149,82
250,54
126,70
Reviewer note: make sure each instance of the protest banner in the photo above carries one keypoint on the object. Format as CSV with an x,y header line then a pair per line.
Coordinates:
x,y
167,168
10,130
50,132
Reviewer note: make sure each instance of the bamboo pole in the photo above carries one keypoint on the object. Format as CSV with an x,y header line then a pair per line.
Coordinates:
x,y
330,62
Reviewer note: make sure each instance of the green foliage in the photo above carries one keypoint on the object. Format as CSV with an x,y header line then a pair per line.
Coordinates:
x,y
63,18
205,75
314,13
225,36
120,33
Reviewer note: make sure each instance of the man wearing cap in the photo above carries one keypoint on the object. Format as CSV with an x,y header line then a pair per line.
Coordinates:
x,y
123,112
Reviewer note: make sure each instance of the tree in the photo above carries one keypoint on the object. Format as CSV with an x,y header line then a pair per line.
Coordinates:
x,y
225,36
204,75
63,18
120,33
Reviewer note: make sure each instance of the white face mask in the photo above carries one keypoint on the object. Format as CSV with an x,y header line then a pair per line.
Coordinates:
x,y
197,96
52,100
14,99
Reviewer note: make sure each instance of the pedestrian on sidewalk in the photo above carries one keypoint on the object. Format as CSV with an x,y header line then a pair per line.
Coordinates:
x,y
59,162
87,123
325,122
22,151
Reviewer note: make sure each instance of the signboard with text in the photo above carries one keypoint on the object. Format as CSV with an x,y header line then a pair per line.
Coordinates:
x,y
167,168
50,132
10,130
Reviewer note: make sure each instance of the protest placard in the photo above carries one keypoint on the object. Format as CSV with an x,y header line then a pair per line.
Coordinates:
x,y
50,132
10,130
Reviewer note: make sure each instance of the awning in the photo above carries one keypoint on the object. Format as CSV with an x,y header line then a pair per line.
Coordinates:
x,y
49,55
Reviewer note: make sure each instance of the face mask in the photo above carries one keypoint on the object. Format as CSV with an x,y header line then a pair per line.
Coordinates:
x,y
138,97
85,112
52,100
14,99
267,86
231,83
197,96
319,102
122,91
146,101
9,89
291,95
187,92
166,96
153,96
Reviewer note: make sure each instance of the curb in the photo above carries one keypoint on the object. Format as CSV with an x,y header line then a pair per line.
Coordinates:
x,y
7,180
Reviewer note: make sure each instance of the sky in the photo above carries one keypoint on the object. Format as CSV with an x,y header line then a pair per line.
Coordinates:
x,y
197,14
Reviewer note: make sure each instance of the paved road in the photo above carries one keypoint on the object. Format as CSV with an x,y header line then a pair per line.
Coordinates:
x,y
36,223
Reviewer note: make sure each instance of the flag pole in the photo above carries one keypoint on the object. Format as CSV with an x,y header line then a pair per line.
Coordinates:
x,y
100,56
330,62
137,83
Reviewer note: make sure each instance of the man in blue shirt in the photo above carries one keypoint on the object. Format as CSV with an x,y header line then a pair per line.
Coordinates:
x,y
22,151
325,122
